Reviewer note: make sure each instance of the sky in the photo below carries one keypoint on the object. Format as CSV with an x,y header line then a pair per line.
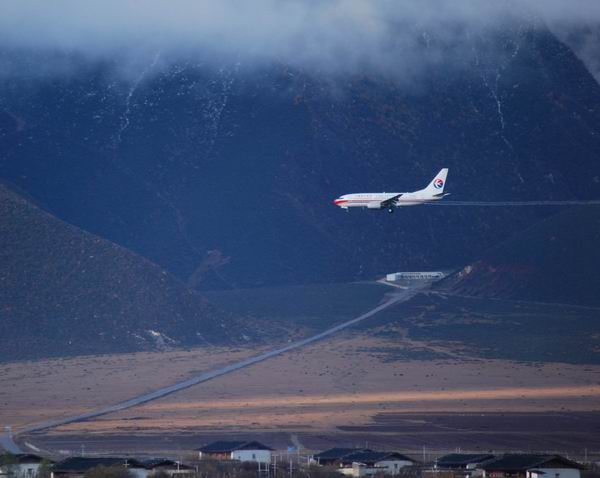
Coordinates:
x,y
337,34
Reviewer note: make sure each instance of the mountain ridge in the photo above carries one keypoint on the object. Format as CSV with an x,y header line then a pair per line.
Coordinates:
x,y
553,261
64,291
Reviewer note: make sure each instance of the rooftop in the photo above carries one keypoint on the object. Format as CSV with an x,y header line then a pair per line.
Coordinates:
x,y
338,453
229,446
22,458
164,463
522,462
463,459
371,457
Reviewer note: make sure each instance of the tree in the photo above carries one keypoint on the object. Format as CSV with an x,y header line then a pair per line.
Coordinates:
x,y
44,469
8,462
8,459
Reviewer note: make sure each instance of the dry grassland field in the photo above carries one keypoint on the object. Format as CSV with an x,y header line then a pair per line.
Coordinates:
x,y
330,384
331,389
34,391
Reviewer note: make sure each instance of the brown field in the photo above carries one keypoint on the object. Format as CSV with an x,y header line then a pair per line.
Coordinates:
x,y
329,385
33,391
338,388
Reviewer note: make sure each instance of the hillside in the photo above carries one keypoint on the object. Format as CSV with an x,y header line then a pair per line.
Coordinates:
x,y
555,260
66,292
224,174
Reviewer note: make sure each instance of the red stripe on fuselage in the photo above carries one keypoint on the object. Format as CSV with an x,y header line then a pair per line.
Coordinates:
x,y
342,201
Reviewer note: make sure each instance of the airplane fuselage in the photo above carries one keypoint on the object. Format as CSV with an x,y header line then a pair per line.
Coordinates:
x,y
377,200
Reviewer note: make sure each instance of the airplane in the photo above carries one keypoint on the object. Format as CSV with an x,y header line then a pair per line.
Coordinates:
x,y
433,192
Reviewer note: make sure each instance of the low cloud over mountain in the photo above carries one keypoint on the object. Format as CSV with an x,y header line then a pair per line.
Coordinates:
x,y
333,35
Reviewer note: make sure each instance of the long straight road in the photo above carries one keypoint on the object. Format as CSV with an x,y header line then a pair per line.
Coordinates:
x,y
399,295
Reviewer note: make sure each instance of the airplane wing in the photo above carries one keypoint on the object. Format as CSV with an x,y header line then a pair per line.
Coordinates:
x,y
389,201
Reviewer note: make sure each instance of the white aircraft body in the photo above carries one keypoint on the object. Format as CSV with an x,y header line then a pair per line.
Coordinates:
x,y
433,192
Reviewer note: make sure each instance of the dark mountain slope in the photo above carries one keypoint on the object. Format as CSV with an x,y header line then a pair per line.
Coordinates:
x,y
224,175
553,261
64,292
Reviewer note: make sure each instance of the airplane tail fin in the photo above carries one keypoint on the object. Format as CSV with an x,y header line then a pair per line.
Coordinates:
x,y
436,186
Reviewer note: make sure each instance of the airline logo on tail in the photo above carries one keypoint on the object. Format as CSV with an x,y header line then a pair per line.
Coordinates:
x,y
438,183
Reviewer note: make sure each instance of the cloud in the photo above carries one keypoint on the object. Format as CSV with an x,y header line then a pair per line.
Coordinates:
x,y
337,34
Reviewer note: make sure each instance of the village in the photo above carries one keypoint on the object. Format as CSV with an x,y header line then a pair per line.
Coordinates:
x,y
248,459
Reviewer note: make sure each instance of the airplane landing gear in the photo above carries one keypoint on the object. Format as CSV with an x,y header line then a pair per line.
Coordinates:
x,y
390,210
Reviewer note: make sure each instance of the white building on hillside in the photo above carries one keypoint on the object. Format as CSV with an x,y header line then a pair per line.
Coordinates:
x,y
424,275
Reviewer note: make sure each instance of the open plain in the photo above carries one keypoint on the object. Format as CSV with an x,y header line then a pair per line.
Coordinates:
x,y
333,392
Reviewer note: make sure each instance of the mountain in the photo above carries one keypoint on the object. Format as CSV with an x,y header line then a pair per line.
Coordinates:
x,y
223,174
582,39
555,260
64,291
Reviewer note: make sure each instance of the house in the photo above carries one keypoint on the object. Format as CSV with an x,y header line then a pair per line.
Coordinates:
x,y
168,466
462,464
21,465
76,467
236,450
367,463
531,466
334,456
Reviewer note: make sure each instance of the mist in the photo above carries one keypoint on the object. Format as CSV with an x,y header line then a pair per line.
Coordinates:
x,y
336,35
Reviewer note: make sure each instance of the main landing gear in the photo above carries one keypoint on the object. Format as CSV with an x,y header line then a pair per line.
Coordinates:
x,y
390,210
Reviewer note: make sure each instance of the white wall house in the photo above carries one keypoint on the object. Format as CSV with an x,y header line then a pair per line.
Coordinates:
x,y
77,467
554,473
371,463
252,451
392,467
259,456
463,464
24,466
532,466
20,470
170,467
382,467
